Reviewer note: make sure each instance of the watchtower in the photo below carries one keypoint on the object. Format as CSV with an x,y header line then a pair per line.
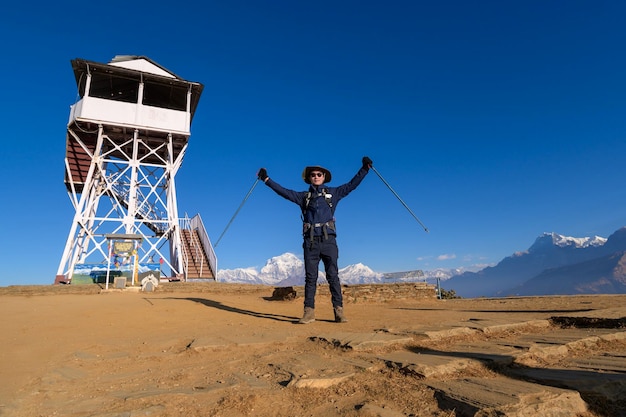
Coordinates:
x,y
126,138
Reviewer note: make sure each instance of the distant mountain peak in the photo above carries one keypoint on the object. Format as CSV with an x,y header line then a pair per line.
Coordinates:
x,y
359,267
555,239
562,259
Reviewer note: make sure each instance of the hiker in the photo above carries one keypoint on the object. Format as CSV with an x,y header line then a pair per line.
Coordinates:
x,y
318,206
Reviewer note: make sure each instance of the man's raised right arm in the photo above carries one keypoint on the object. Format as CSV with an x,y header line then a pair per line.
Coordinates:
x,y
290,195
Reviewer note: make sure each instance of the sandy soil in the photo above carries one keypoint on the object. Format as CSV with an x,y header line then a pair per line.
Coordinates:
x,y
221,350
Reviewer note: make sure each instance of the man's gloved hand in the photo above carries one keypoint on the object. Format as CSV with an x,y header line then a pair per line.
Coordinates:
x,y
367,162
262,174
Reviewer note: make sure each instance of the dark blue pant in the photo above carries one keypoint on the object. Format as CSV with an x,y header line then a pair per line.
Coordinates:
x,y
325,250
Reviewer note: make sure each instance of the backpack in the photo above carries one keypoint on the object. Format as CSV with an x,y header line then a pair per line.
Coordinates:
x,y
310,227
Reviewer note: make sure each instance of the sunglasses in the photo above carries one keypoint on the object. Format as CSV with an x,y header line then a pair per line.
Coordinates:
x,y
316,174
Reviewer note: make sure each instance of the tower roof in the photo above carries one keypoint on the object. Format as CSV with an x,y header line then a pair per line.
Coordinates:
x,y
141,63
136,67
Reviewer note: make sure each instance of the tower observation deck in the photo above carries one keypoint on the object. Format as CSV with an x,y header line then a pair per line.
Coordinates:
x,y
126,138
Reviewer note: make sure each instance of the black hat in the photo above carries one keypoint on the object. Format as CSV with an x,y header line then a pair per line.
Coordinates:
x,y
307,171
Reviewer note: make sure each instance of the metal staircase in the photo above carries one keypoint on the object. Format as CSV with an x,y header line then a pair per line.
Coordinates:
x,y
151,214
199,259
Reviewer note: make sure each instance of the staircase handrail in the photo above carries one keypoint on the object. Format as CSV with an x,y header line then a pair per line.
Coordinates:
x,y
184,225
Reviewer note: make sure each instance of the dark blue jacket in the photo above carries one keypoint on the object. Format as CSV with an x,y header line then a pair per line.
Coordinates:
x,y
318,211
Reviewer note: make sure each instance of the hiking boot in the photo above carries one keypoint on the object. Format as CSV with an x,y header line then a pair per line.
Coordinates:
x,y
308,317
339,316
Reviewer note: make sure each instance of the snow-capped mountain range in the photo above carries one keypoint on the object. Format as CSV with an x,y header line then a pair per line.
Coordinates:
x,y
548,266
288,269
554,264
555,239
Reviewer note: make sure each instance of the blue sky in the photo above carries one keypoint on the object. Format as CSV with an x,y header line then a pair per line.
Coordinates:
x,y
494,121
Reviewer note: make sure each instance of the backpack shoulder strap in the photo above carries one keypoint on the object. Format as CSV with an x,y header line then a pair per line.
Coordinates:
x,y
328,197
306,203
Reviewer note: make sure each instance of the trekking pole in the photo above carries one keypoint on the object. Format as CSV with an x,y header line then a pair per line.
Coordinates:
x,y
236,212
398,197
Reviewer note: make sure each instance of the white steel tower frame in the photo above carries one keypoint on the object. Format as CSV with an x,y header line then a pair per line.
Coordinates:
x,y
126,139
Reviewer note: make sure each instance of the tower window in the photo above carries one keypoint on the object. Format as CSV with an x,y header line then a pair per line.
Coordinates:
x,y
165,96
114,88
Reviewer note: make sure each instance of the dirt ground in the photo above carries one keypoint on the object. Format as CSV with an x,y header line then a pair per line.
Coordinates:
x,y
226,350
